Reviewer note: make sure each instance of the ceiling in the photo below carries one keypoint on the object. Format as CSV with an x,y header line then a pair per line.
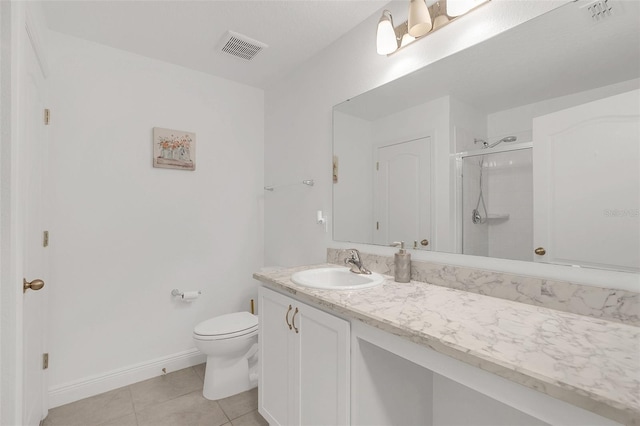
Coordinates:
x,y
188,33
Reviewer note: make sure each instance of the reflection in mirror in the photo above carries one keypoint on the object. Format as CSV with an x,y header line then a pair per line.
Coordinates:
x,y
506,177
522,147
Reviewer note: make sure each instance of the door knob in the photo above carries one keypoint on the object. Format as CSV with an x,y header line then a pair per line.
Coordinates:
x,y
540,251
33,285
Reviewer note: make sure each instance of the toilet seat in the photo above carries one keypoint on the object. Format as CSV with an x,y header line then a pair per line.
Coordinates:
x,y
227,326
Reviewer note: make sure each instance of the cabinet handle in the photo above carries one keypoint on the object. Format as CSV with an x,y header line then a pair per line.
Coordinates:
x,y
293,320
286,317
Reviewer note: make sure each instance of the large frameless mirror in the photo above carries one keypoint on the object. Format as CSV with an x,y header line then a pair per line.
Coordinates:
x,y
523,147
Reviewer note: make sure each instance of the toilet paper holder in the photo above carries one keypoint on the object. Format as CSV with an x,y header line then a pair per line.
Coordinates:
x,y
185,295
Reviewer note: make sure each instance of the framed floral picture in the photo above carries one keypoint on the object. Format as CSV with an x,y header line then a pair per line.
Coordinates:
x,y
174,149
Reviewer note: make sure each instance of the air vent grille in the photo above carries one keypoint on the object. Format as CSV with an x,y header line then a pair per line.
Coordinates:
x,y
599,10
241,46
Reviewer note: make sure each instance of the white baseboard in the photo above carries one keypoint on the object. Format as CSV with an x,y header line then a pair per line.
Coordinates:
x,y
97,384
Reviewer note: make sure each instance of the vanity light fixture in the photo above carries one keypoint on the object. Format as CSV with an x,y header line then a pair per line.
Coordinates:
x,y
425,17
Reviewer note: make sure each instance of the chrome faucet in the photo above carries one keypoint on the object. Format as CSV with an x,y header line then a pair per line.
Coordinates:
x,y
356,264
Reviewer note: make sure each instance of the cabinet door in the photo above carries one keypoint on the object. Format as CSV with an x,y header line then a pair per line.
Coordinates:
x,y
277,358
323,377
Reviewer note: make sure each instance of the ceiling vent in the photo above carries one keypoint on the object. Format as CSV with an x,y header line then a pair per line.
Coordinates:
x,y
241,46
599,10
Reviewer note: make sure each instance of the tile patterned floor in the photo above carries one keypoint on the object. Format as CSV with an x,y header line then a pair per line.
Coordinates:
x,y
174,399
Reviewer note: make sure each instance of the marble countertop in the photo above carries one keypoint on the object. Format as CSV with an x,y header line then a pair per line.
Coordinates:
x,y
588,362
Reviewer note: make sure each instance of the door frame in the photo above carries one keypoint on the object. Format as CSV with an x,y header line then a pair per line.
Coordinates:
x,y
15,17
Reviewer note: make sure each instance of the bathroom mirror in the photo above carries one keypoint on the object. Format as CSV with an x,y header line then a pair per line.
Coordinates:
x,y
522,147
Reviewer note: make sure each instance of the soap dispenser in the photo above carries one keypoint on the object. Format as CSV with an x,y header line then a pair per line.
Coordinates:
x,y
402,272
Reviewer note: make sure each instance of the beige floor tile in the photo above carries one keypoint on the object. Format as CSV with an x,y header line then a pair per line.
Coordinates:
x,y
129,420
250,419
163,388
240,404
200,369
94,410
188,410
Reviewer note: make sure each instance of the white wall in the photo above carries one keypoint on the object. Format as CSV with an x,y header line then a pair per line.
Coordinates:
x,y
124,234
298,116
354,190
467,124
518,121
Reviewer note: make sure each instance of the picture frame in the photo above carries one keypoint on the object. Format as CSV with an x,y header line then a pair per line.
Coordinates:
x,y
174,149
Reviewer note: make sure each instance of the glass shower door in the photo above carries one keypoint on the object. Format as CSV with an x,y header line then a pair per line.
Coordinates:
x,y
497,204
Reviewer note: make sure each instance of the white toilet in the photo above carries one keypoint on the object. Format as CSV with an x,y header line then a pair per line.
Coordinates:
x,y
230,343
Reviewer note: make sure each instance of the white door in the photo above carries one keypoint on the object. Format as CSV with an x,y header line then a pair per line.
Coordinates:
x,y
402,193
323,376
587,184
32,162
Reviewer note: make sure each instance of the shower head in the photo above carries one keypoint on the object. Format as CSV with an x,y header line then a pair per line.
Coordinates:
x,y
505,139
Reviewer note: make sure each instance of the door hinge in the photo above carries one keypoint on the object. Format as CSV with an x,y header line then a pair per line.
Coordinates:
x,y
45,361
47,116
377,165
45,238
377,225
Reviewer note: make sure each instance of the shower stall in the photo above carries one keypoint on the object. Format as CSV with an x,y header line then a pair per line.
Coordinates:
x,y
496,199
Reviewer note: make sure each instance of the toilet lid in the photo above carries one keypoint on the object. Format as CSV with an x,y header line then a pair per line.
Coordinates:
x,y
237,322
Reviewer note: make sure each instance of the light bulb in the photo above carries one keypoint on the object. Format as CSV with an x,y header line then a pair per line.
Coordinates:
x,y
386,37
406,40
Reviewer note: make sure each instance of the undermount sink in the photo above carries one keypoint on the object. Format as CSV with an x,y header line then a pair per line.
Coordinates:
x,y
336,279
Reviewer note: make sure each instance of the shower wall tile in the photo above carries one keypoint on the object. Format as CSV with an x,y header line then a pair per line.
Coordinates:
x,y
608,304
510,191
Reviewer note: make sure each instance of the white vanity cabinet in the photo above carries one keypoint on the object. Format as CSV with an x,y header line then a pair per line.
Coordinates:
x,y
420,354
304,363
